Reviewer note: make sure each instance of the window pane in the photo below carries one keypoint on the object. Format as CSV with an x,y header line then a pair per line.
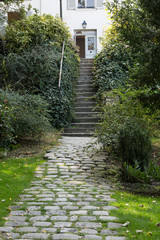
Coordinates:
x,y
90,3
91,43
81,3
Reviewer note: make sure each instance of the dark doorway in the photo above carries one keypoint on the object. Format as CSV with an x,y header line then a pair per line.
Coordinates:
x,y
80,42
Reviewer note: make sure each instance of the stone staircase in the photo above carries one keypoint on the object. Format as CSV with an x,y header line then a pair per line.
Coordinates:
x,y
86,118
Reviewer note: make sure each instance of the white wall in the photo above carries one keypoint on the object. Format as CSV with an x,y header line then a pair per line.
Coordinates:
x,y
96,18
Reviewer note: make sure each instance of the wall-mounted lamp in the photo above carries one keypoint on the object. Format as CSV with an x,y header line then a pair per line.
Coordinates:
x,y
84,24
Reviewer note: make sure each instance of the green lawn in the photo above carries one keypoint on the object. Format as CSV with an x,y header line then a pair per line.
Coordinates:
x,y
15,175
143,213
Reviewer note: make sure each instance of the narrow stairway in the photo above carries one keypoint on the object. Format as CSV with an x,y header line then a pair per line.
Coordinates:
x,y
86,118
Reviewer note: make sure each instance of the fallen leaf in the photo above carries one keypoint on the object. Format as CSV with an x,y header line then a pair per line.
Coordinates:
x,y
149,234
140,205
139,231
126,224
158,225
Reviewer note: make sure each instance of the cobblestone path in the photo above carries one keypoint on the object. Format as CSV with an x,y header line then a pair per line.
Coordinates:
x,y
69,198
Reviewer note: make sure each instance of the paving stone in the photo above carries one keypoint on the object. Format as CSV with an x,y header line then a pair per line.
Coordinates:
x,y
115,238
56,212
38,218
65,236
108,218
6,229
33,208
62,224
93,237
87,218
51,208
34,213
59,218
69,230
27,229
80,212
108,232
12,235
101,213
42,224
16,223
88,225
49,230
18,213
114,225
16,218
89,231
35,236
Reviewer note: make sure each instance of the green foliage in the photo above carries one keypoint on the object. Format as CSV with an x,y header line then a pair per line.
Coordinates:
x,y
33,69
136,23
32,65
125,107
30,115
111,67
35,30
7,135
134,145
135,174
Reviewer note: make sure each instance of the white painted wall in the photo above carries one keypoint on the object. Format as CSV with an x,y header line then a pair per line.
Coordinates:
x,y
96,18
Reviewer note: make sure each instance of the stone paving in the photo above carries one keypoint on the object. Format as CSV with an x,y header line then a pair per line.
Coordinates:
x,y
69,198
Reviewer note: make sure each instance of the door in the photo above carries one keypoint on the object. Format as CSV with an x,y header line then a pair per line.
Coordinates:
x,y
91,46
80,42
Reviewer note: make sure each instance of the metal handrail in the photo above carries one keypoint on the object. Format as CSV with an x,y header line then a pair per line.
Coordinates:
x,y
61,66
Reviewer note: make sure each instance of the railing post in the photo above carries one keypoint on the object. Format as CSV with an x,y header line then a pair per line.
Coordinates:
x,y
61,66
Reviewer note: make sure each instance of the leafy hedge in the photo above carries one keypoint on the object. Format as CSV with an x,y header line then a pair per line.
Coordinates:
x,y
111,66
32,65
22,116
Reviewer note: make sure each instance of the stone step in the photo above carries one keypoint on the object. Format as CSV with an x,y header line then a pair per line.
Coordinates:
x,y
86,114
85,104
87,89
84,125
78,130
77,134
84,109
84,74
85,94
85,99
86,120
84,60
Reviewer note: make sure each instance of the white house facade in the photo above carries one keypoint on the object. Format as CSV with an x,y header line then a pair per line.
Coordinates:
x,y
86,20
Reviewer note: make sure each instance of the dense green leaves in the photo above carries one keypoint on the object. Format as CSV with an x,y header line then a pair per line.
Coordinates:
x,y
32,64
111,66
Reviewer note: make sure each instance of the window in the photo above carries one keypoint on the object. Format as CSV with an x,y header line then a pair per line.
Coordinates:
x,y
13,16
86,4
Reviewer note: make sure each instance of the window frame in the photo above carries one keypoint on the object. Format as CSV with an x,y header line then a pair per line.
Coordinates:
x,y
86,5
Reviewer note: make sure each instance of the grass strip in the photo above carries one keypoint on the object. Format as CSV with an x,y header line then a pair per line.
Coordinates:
x,y
15,176
142,213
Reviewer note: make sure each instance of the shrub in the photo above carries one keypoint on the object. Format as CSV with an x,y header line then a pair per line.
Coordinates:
x,y
126,107
134,145
32,65
35,30
111,66
31,70
7,134
30,114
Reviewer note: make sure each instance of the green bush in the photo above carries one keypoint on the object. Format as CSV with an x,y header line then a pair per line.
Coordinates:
x,y
126,107
111,66
32,65
31,70
134,145
30,115
36,30
7,133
